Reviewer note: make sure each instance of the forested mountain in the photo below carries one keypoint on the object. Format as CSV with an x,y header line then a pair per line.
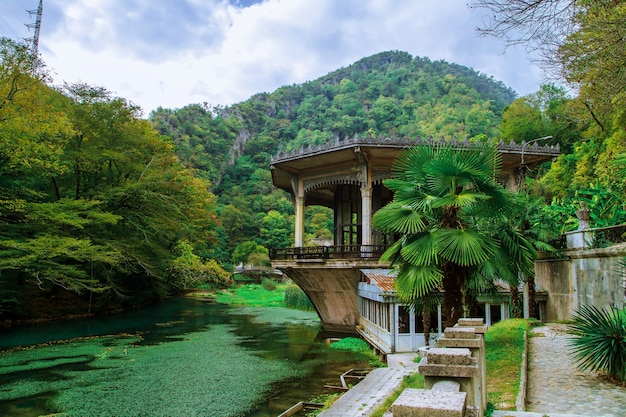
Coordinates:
x,y
390,93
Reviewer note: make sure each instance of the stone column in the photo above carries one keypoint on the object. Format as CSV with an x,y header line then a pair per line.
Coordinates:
x,y
366,215
299,232
449,384
468,333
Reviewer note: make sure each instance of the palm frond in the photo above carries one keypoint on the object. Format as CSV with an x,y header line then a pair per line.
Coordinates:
x,y
500,201
478,283
414,282
392,254
398,218
462,199
443,176
414,198
429,302
499,267
396,184
465,247
487,159
421,250
409,163
517,249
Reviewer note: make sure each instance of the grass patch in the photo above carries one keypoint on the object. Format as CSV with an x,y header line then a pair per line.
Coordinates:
x,y
296,298
354,344
254,295
504,344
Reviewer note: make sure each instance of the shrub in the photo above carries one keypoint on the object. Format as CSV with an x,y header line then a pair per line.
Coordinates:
x,y
296,298
268,284
598,340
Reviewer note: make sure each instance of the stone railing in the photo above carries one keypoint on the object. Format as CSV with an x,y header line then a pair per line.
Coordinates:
x,y
328,252
454,376
404,142
600,237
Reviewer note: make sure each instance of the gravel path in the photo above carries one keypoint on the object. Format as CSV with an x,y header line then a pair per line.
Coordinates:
x,y
556,385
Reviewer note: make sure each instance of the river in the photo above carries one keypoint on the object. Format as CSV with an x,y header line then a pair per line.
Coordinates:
x,y
183,357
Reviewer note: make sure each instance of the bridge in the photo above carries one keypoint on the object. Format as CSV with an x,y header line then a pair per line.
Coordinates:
x,y
329,275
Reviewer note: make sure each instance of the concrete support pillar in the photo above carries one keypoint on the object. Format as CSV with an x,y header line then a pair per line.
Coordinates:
x,y
366,215
297,186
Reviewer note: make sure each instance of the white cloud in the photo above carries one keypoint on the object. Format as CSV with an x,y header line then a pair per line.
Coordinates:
x,y
172,53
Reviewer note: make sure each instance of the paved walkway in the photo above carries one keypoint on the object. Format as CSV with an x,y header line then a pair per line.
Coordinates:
x,y
368,394
555,385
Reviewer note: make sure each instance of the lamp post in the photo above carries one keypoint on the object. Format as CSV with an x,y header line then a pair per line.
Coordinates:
x,y
522,166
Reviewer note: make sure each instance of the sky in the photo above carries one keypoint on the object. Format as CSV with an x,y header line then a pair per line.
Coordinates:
x,y
171,53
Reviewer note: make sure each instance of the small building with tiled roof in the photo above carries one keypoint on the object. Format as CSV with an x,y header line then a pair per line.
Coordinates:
x,y
391,326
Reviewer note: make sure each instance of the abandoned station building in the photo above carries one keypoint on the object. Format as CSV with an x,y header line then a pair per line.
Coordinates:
x,y
350,289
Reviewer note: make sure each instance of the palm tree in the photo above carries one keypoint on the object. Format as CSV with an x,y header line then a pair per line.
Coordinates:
x,y
452,217
529,221
424,306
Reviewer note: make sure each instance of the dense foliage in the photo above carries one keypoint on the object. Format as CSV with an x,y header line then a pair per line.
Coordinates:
x,y
578,43
92,199
296,298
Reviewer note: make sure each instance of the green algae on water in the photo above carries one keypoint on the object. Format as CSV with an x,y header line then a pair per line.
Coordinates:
x,y
206,374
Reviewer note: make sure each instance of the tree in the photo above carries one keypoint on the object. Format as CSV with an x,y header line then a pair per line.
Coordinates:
x,y
188,270
531,222
521,121
275,231
92,199
245,251
582,40
453,221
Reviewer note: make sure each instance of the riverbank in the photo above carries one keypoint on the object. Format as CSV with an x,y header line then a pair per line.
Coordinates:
x,y
66,306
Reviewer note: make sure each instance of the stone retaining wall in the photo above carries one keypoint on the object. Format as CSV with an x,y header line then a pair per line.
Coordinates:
x,y
585,277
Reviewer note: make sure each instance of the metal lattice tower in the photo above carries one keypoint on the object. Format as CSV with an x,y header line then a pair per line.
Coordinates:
x,y
37,26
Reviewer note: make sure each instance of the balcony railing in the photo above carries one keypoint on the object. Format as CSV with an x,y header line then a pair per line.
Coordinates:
x,y
608,236
329,252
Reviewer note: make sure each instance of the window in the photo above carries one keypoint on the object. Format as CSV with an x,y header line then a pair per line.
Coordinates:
x,y
404,320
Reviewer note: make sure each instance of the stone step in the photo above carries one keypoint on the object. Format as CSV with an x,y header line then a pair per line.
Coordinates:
x,y
499,413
